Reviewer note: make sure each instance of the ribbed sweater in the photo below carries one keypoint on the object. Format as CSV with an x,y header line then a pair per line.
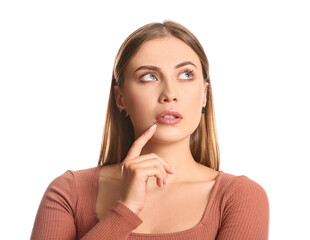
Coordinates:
x,y
238,208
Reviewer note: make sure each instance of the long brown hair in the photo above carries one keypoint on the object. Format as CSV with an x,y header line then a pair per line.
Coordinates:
x,y
118,135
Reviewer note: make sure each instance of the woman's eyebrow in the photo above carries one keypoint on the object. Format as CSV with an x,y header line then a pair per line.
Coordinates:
x,y
154,68
185,63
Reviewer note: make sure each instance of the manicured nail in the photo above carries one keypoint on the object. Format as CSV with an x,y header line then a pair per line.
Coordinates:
x,y
154,126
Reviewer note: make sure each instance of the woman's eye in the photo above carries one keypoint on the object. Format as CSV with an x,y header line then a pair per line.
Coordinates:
x,y
148,77
186,75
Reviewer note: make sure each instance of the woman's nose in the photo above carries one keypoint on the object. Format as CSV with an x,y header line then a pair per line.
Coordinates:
x,y
168,93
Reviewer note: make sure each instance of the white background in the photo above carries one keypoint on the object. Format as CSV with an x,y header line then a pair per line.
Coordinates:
x,y
56,61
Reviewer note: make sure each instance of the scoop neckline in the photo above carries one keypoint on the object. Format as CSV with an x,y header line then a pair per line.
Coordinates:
x,y
182,232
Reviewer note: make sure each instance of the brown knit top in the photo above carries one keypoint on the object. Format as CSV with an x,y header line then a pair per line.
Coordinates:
x,y
238,208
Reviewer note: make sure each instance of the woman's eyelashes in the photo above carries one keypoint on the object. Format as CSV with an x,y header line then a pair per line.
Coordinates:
x,y
187,74
184,75
148,76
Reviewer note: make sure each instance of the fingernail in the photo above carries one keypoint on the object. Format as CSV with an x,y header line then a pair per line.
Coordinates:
x,y
154,126
173,170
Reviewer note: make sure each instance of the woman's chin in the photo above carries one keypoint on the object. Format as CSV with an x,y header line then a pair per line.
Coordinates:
x,y
169,135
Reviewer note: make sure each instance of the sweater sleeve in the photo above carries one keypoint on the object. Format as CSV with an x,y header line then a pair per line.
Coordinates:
x,y
246,212
55,218
117,224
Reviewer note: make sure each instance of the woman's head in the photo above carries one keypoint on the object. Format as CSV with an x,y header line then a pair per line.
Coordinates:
x,y
164,74
167,52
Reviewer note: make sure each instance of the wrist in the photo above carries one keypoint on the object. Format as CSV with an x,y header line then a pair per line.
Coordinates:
x,y
133,209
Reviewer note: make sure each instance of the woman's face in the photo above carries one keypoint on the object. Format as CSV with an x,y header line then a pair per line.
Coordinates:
x,y
165,74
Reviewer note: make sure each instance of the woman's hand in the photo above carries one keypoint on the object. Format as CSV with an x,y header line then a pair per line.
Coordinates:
x,y
137,169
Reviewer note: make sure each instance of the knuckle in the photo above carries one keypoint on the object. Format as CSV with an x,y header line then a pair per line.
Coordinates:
x,y
128,166
154,155
160,176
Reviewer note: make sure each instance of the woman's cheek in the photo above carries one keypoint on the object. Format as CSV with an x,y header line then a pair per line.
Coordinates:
x,y
140,111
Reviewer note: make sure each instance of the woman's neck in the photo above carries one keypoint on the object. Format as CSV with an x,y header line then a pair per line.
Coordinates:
x,y
178,155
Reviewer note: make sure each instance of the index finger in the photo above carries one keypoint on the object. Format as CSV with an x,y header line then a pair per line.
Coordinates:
x,y
139,143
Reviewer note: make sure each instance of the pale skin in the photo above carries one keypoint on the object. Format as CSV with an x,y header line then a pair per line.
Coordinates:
x,y
164,74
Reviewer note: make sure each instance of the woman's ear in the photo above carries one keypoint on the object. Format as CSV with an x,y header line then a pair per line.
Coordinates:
x,y
119,99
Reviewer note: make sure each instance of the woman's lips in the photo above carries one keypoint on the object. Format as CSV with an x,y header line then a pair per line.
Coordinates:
x,y
169,121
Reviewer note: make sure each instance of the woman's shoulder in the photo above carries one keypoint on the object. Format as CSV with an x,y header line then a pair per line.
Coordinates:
x,y
85,175
228,182
239,189
74,175
243,204
76,180
232,183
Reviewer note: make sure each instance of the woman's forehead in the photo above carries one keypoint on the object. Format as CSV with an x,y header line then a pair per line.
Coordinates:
x,y
166,51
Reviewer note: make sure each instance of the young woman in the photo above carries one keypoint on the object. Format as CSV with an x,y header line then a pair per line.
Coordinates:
x,y
158,175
